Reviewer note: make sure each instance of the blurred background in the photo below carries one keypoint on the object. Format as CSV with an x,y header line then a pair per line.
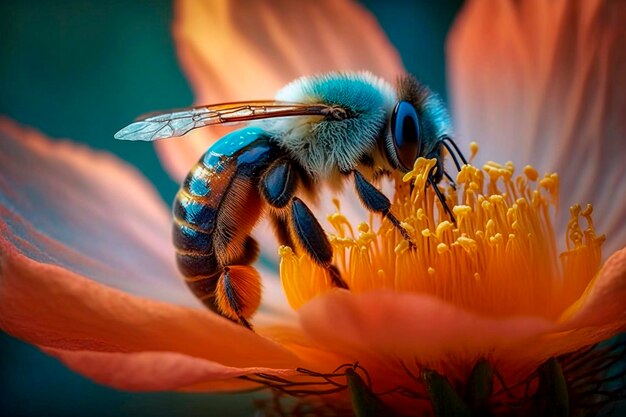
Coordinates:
x,y
83,69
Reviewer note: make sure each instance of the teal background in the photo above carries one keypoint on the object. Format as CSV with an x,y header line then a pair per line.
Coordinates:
x,y
83,69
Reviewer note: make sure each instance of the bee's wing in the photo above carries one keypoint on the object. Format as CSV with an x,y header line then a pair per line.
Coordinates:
x,y
167,124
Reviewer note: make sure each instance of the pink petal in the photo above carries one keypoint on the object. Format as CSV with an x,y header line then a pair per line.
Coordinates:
x,y
543,83
239,50
102,332
87,212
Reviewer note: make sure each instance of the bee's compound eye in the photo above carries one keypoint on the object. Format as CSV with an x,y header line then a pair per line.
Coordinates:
x,y
406,136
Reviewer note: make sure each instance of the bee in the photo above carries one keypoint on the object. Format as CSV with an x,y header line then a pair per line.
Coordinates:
x,y
326,128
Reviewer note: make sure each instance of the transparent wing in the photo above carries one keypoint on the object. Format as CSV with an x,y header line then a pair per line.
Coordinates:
x,y
167,124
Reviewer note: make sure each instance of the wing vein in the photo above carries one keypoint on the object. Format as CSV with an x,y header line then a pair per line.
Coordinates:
x,y
177,122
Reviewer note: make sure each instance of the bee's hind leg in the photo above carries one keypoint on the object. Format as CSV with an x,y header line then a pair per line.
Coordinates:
x,y
233,280
236,289
281,228
377,202
277,186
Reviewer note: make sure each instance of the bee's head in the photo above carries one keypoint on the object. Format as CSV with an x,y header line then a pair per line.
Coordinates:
x,y
418,122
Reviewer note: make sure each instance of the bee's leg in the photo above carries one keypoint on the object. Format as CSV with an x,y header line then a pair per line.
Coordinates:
x,y
237,293
234,280
237,277
281,228
278,186
220,290
250,252
450,180
279,183
313,240
377,202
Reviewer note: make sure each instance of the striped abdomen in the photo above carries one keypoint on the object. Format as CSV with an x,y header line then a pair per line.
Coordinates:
x,y
214,212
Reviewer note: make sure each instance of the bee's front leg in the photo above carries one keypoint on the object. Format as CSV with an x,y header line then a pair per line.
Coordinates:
x,y
278,187
376,201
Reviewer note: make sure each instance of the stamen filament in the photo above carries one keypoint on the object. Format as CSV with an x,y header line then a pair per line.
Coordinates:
x,y
500,258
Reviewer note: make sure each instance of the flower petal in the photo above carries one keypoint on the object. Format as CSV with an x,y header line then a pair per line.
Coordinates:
x,y
414,328
87,212
159,371
597,316
602,304
55,308
232,55
543,83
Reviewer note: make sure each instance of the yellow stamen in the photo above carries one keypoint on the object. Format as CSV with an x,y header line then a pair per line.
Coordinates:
x,y
497,257
473,150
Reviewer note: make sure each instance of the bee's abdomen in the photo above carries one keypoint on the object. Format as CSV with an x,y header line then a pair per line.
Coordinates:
x,y
195,211
214,212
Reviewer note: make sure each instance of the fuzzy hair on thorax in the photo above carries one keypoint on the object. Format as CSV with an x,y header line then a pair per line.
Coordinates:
x,y
326,147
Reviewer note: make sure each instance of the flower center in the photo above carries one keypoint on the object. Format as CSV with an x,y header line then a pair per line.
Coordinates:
x,y
497,257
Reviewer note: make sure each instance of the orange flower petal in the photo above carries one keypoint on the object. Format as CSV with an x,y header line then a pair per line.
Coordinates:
x,y
55,308
79,233
87,212
597,316
543,83
602,304
386,331
233,55
410,327
158,371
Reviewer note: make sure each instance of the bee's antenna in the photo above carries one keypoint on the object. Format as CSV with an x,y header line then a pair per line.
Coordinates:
x,y
450,179
452,155
447,139
440,195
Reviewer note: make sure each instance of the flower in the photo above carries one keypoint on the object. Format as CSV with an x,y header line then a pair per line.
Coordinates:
x,y
99,292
